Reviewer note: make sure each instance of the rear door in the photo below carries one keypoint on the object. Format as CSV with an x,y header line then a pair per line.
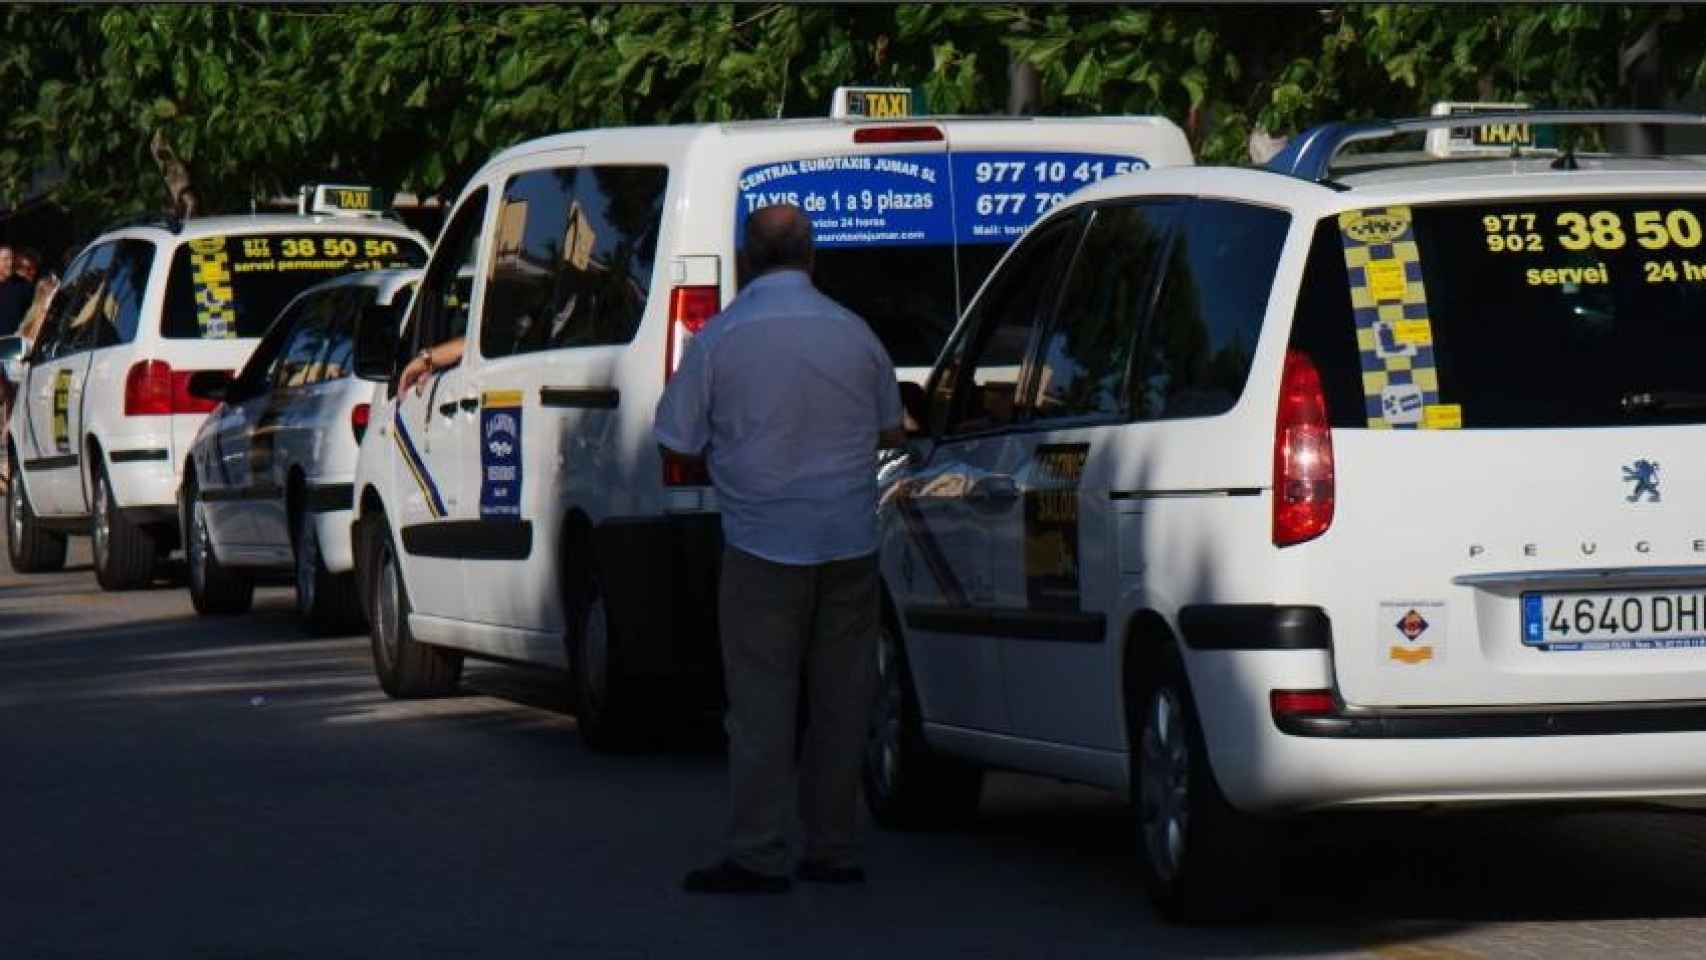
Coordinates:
x,y
1519,419
227,480
276,422
56,385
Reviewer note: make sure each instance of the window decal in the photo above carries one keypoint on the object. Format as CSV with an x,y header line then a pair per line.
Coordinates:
x,y
211,269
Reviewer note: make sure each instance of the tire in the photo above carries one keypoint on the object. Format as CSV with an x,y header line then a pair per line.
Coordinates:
x,y
328,603
1195,850
907,785
124,552
30,548
603,695
214,590
406,668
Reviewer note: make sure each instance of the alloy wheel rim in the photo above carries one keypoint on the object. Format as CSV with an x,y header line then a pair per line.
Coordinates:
x,y
1164,783
198,547
386,620
883,741
307,559
595,655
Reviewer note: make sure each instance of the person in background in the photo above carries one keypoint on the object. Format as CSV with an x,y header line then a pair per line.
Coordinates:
x,y
788,396
15,290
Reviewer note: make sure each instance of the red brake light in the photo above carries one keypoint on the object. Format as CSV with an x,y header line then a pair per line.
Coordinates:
x,y
897,134
358,416
1303,455
690,308
682,472
1290,703
152,388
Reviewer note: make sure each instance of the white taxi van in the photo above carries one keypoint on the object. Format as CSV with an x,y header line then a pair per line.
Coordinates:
x,y
266,487
103,418
1364,481
516,506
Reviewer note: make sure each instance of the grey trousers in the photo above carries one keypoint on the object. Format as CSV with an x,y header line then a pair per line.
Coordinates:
x,y
782,625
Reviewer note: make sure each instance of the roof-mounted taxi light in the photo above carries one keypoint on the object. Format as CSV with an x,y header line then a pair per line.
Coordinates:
x,y
1489,140
875,103
888,134
339,200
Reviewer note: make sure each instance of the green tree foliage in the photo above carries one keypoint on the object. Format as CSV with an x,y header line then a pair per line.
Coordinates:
x,y
257,99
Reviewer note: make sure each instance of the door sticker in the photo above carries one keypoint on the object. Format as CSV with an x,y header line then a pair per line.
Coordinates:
x,y
62,411
1051,527
500,455
1412,632
1394,334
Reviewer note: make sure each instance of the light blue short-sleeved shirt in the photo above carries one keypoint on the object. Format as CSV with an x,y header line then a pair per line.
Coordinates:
x,y
785,392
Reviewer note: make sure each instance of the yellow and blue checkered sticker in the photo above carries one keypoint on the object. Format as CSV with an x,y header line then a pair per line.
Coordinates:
x,y
211,269
1400,384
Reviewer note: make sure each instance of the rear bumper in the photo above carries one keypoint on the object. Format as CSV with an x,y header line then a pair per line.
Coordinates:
x,y
1404,758
333,529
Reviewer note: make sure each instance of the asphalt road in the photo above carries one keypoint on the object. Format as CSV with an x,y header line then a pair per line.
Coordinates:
x,y
181,787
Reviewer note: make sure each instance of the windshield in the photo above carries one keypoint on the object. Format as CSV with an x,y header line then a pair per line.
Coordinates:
x,y
905,240
232,286
1501,314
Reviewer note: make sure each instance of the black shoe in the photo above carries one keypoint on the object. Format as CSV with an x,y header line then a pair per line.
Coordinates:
x,y
813,871
726,876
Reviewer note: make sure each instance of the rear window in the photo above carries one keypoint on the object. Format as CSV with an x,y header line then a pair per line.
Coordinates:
x,y
1509,314
905,240
231,286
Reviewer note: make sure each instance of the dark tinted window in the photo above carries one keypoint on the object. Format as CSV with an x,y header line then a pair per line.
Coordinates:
x,y
70,325
121,295
574,259
1082,362
234,285
1198,349
978,388
449,284
360,304
298,363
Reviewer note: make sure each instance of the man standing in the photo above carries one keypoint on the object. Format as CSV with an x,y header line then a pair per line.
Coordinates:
x,y
788,396
16,291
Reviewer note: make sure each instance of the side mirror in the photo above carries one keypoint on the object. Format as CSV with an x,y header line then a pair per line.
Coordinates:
x,y
916,403
212,385
376,344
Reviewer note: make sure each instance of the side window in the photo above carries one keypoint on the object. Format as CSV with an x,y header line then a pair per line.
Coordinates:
x,y
1197,352
127,281
574,258
1082,362
255,377
301,354
77,304
449,283
978,387
340,340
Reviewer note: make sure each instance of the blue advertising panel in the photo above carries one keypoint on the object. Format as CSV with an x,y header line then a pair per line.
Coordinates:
x,y
500,454
931,198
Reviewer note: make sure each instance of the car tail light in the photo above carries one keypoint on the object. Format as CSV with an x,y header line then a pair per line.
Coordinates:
x,y
894,134
690,308
1303,455
152,388
358,415
1299,703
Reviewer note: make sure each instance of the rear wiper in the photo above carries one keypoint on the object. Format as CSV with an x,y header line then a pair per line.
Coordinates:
x,y
1661,400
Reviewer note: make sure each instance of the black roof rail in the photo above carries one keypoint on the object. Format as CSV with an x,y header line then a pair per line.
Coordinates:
x,y
165,221
1309,155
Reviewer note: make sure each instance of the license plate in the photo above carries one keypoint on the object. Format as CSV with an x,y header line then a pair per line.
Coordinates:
x,y
1625,620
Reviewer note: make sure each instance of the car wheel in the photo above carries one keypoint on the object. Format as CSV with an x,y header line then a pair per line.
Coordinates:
x,y
1190,841
30,548
603,698
214,589
406,667
326,602
907,785
124,552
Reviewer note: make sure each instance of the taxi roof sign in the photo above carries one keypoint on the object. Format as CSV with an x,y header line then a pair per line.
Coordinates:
x,y
876,103
339,200
1496,139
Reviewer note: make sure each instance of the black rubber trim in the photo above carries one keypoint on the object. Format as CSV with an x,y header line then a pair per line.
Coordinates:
x,y
134,456
259,491
51,463
74,525
1255,626
1184,494
331,497
584,398
1353,724
150,515
1062,626
470,539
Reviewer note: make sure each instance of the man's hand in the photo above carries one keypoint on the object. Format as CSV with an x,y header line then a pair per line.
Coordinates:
x,y
415,375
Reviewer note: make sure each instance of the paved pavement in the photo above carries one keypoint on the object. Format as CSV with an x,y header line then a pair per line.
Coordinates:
x,y
180,787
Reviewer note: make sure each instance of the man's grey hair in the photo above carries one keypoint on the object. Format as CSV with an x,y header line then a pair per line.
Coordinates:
x,y
778,236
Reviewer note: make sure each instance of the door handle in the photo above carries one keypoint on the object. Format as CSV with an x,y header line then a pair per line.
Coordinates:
x,y
997,488
470,403
448,408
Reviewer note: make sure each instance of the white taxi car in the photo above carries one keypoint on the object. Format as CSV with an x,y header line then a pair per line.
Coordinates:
x,y
266,489
516,505
103,419
1362,481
